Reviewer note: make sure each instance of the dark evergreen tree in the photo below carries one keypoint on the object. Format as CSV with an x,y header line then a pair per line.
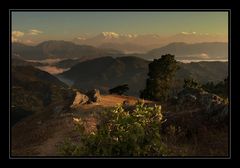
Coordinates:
x,y
160,77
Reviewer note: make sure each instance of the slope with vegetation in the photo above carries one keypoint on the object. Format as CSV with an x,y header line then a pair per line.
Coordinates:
x,y
33,91
107,72
192,123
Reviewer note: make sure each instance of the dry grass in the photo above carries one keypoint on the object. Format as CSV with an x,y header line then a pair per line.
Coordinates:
x,y
30,138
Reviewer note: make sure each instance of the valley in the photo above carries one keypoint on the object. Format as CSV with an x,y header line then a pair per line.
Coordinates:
x,y
86,75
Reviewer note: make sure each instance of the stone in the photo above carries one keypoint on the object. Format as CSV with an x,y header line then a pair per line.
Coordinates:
x,y
94,96
79,99
212,104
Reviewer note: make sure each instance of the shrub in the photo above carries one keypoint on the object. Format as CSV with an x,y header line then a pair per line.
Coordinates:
x,y
191,83
123,133
220,88
119,89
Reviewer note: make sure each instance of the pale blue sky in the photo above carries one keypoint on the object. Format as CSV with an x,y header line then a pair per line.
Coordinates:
x,y
68,25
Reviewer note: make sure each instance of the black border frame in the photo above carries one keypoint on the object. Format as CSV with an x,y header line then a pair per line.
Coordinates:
x,y
124,10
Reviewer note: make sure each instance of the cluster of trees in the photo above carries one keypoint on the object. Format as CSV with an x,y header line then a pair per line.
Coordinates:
x,y
161,78
220,88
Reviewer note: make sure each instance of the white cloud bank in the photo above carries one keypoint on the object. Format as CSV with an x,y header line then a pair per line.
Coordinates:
x,y
34,32
52,69
188,33
16,34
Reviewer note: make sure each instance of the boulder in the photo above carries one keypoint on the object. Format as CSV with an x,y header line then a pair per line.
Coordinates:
x,y
79,99
212,104
93,95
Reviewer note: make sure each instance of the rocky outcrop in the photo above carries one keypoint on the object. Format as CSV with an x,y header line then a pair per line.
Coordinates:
x,y
79,99
193,112
213,105
94,96
91,96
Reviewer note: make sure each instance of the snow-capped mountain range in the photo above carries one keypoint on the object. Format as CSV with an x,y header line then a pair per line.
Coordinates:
x,y
142,43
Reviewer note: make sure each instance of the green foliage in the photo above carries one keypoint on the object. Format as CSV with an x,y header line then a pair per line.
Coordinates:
x,y
160,78
123,133
220,88
69,148
191,83
119,89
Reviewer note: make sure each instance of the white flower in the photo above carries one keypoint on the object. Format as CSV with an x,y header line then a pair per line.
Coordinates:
x,y
77,120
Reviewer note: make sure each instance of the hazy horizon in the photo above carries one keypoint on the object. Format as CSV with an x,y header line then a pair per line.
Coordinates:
x,y
35,27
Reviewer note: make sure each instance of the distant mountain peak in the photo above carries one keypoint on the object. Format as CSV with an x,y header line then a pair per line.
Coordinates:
x,y
62,42
110,35
188,33
81,38
204,50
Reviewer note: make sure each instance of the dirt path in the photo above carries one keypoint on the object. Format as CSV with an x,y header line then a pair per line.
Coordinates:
x,y
32,139
50,146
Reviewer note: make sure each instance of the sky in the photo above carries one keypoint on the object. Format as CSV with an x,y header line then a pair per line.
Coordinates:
x,y
32,27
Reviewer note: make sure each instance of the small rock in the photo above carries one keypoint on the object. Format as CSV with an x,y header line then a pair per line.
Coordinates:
x,y
79,99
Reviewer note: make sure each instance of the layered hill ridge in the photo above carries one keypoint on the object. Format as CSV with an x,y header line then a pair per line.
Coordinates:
x,y
107,72
70,50
59,49
210,50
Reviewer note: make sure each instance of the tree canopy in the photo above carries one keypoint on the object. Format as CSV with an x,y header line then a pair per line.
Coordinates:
x,y
160,76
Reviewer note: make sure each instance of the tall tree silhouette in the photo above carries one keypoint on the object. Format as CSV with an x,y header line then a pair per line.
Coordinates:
x,y
160,76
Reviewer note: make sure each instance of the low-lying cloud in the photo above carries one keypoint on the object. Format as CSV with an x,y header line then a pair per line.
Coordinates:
x,y
34,32
204,55
49,61
16,34
52,69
